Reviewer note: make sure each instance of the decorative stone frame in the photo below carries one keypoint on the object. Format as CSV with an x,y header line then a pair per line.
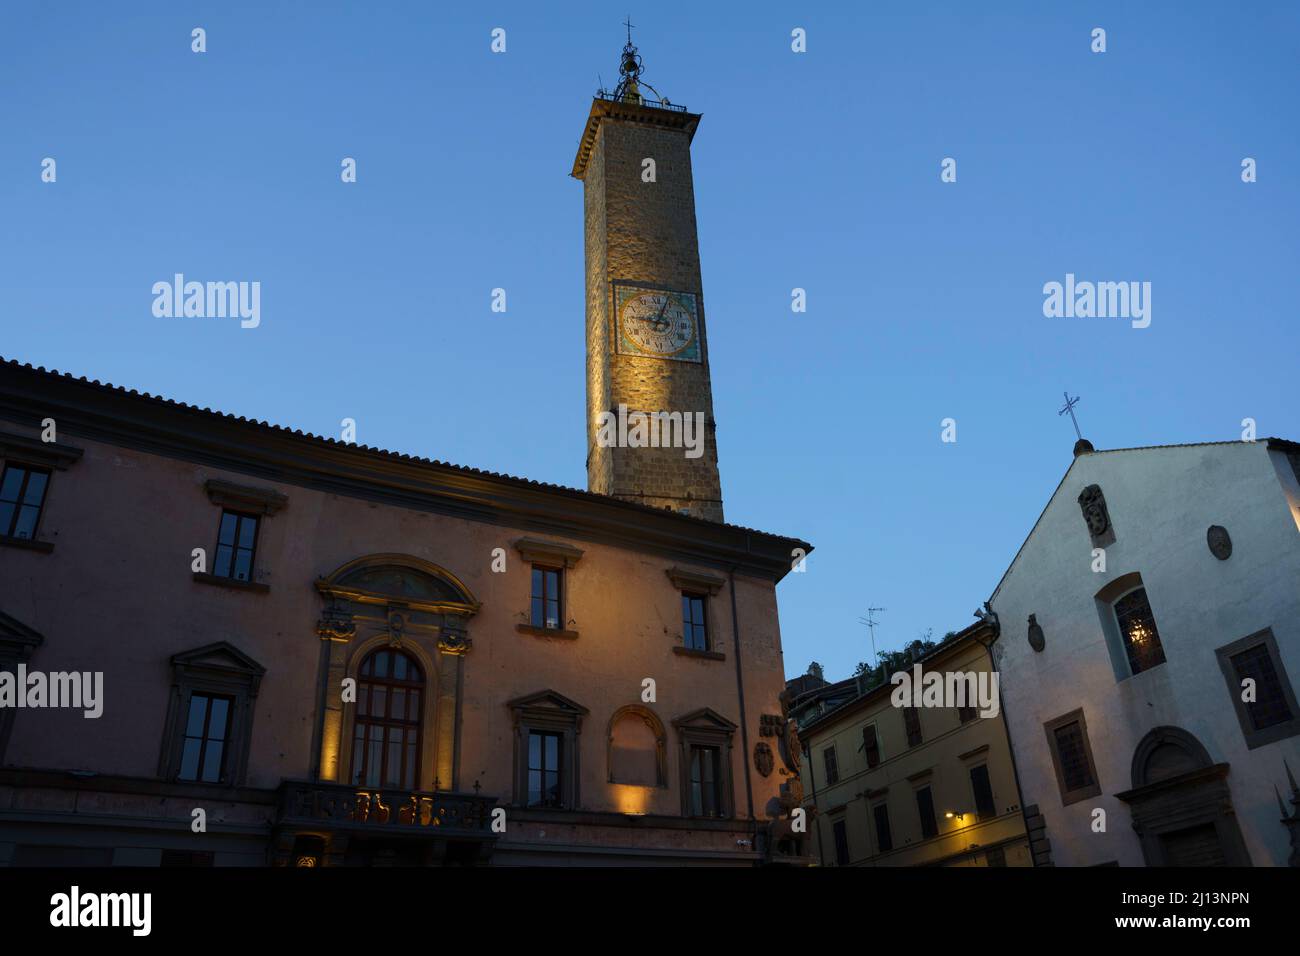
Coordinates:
x,y
27,452
661,742
554,555
410,604
247,500
1050,727
1164,805
685,582
1258,738
706,728
547,711
223,670
1105,600
17,644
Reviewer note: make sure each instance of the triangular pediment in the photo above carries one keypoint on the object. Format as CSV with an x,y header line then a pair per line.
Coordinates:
x,y
548,700
17,636
219,656
705,717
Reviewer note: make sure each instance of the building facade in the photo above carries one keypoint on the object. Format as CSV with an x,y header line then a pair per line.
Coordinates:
x,y
305,652
1150,642
889,785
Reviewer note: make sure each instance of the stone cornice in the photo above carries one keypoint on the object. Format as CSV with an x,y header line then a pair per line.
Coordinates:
x,y
262,501
50,454
537,551
602,109
696,581
144,423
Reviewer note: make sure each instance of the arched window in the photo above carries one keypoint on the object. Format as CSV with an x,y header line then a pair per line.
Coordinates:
x,y
386,741
1137,629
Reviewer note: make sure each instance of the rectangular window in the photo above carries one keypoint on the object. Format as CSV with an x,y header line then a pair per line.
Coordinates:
x,y
912,721
1137,628
546,604
1076,774
925,809
22,494
832,765
203,752
236,542
705,797
544,752
1269,707
1270,713
995,857
841,843
695,633
870,745
1074,762
985,808
883,838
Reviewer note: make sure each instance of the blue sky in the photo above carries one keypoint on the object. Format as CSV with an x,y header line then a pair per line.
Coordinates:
x,y
817,170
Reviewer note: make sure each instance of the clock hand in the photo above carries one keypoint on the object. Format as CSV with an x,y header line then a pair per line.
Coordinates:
x,y
659,318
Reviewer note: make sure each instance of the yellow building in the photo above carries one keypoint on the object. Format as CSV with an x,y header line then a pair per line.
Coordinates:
x,y
928,785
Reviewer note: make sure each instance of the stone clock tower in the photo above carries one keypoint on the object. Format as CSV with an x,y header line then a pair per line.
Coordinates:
x,y
647,344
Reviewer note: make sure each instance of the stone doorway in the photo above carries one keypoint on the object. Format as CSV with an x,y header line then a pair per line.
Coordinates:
x,y
1181,805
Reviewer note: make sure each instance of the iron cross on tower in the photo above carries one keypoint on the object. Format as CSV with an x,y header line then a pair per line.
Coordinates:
x,y
1069,407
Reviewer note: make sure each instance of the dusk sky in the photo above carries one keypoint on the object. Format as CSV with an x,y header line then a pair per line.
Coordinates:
x,y
816,170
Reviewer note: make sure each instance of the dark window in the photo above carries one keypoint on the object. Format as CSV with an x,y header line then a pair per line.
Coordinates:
x,y
995,857
203,753
967,714
544,753
883,838
832,765
706,800
236,542
870,745
1137,628
695,633
841,843
22,493
912,721
386,735
547,609
1076,771
979,783
1270,706
925,808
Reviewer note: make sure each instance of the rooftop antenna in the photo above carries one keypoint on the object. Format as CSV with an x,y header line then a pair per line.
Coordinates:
x,y
870,622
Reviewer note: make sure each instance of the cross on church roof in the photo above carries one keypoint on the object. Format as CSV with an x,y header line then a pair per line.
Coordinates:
x,y
1069,407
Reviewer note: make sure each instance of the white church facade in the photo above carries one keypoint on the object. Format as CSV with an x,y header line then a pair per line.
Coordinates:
x,y
1149,653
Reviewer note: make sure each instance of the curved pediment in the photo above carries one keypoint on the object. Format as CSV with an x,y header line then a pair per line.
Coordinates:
x,y
399,579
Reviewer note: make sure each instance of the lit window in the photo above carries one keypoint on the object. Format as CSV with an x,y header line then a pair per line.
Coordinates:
x,y
1137,628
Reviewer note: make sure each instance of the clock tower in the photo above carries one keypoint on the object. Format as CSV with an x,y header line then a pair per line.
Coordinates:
x,y
650,428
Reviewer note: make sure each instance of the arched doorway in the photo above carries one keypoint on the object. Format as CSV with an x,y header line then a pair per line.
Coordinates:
x,y
1181,805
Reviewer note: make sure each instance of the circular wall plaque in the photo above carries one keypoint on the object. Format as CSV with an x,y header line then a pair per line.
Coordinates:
x,y
1220,544
1036,639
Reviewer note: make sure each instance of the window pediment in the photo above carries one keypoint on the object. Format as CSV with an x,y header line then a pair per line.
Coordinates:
x,y
262,501
399,579
537,551
698,582
49,454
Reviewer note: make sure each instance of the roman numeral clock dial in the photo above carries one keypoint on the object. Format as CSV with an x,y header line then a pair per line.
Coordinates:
x,y
659,323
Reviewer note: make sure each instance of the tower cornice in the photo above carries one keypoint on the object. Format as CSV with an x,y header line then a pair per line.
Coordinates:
x,y
665,116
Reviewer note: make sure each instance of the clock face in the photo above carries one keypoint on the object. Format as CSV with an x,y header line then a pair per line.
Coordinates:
x,y
657,322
